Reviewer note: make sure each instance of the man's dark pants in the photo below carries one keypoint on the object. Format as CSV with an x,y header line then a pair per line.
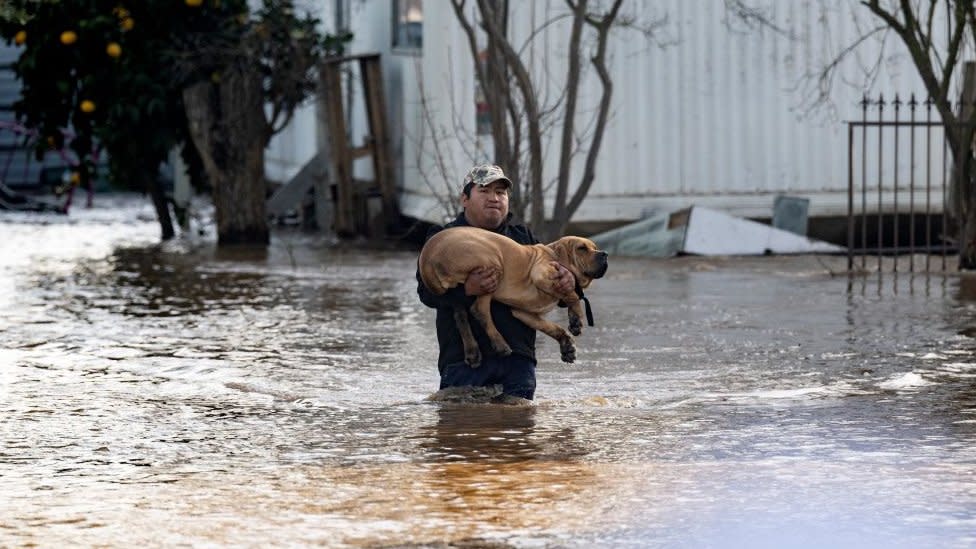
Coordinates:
x,y
515,373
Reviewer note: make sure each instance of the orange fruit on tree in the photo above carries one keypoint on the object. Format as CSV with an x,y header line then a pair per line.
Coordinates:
x,y
87,106
128,23
113,49
68,37
194,3
20,37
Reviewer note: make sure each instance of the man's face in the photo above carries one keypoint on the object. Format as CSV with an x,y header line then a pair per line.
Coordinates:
x,y
487,206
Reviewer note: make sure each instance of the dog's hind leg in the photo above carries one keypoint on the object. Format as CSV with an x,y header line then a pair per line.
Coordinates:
x,y
567,345
481,309
472,355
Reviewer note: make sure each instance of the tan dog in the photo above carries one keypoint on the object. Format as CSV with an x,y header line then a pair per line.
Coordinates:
x,y
525,281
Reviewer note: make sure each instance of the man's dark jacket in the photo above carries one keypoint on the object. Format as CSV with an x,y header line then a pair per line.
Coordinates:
x,y
520,337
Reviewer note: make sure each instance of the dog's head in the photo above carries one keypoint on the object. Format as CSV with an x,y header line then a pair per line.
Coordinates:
x,y
581,257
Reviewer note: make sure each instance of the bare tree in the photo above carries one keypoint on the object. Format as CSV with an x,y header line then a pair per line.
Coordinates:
x,y
936,35
937,63
519,118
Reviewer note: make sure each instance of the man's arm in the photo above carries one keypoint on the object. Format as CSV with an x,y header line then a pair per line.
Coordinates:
x,y
480,281
563,280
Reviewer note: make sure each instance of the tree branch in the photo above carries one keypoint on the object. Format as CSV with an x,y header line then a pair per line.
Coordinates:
x,y
572,95
489,23
599,62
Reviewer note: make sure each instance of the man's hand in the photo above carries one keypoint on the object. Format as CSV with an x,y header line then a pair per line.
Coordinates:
x,y
563,280
481,281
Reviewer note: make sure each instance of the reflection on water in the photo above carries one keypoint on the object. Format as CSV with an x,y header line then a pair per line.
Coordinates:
x,y
174,394
493,434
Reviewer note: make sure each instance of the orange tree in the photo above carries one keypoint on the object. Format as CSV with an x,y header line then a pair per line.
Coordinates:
x,y
94,67
116,74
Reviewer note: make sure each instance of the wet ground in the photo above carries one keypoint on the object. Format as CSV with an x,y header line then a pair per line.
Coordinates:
x,y
177,395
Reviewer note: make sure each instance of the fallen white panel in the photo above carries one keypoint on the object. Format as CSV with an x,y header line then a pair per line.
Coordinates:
x,y
703,231
711,232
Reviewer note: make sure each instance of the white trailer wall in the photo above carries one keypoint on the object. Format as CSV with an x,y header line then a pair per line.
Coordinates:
x,y
290,149
708,111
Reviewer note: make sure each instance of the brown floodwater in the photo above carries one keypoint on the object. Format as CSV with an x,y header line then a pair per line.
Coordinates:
x,y
178,395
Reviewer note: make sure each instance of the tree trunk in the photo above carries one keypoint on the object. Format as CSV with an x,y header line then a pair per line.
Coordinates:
x,y
967,244
158,196
962,207
228,127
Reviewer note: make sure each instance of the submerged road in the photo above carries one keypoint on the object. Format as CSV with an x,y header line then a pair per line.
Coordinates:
x,y
167,395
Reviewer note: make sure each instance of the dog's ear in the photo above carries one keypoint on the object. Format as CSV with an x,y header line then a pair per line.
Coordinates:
x,y
567,254
565,251
560,248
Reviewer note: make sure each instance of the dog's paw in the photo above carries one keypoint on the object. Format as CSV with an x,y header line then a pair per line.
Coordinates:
x,y
473,358
503,350
569,356
567,348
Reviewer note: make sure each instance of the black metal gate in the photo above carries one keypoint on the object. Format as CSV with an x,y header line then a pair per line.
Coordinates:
x,y
899,166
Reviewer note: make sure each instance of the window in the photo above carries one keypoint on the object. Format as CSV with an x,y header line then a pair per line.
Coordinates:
x,y
408,24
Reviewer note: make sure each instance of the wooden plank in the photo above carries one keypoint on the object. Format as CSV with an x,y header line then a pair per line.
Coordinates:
x,y
359,152
338,60
331,109
382,158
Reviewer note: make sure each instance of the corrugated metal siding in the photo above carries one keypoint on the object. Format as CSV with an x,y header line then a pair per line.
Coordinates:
x,y
718,116
720,112
292,148
442,79
708,111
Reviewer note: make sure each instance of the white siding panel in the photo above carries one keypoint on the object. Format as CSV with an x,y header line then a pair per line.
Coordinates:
x,y
709,111
292,148
727,120
295,145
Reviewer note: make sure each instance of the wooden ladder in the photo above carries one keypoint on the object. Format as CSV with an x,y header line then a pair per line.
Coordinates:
x,y
351,196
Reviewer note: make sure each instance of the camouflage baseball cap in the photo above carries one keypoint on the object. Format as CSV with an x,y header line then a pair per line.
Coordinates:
x,y
483,175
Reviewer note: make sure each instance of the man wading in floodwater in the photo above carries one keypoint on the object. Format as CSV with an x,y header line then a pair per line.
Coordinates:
x,y
484,203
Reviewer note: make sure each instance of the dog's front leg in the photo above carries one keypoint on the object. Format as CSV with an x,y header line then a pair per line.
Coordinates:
x,y
575,311
544,277
567,345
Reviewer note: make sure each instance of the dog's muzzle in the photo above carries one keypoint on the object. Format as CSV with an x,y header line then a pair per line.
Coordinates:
x,y
601,265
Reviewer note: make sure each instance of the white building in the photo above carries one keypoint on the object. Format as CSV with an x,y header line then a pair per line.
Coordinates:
x,y
709,111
